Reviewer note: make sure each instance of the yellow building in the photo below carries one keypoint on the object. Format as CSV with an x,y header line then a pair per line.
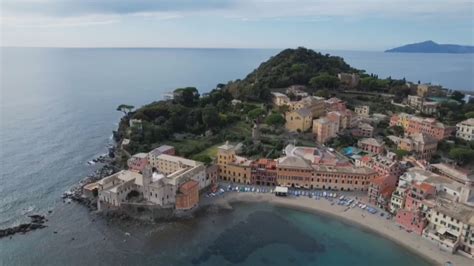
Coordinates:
x,y
324,129
280,99
315,104
232,167
299,120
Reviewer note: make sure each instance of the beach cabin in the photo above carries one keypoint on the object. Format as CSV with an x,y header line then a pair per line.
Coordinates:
x,y
281,191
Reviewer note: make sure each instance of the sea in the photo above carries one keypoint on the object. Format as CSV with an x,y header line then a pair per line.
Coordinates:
x,y
58,111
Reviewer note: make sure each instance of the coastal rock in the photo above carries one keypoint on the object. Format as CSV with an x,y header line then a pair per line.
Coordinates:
x,y
37,222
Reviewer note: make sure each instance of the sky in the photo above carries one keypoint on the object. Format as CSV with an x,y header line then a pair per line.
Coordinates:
x,y
323,24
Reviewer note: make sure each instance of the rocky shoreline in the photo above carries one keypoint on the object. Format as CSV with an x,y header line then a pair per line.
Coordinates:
x,y
76,192
37,222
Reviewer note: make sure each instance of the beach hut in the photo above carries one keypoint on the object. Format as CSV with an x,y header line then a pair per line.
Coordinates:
x,y
281,191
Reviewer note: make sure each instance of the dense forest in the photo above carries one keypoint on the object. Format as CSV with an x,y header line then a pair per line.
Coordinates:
x,y
289,67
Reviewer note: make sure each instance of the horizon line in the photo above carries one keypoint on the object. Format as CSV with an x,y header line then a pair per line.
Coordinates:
x,y
189,47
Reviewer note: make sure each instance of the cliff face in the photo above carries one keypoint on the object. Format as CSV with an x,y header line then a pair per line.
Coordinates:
x,y
432,47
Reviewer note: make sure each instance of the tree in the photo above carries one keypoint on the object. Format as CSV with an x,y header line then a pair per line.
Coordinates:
x,y
462,155
275,119
210,117
324,81
398,130
469,115
125,108
203,158
322,93
457,95
401,153
257,112
186,96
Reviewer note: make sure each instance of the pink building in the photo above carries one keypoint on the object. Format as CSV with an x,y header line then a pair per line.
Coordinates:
x,y
411,220
381,164
371,145
334,104
138,162
416,194
429,126
416,125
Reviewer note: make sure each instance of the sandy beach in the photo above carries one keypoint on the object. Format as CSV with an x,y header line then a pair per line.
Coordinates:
x,y
375,223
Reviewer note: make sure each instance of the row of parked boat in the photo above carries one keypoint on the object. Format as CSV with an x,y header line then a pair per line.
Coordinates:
x,y
341,200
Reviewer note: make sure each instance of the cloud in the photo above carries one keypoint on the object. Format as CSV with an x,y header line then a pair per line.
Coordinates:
x,y
95,12
83,7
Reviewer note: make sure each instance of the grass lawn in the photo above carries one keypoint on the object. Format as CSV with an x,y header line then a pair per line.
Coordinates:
x,y
211,151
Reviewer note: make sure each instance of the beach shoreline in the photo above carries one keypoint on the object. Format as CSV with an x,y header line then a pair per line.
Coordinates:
x,y
373,223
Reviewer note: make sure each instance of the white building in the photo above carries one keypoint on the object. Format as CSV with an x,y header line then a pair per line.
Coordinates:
x,y
363,110
465,129
157,185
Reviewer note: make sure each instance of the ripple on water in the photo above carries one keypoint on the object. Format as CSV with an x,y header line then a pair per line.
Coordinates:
x,y
238,242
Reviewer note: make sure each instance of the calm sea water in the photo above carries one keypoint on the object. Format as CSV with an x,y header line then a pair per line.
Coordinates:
x,y
57,111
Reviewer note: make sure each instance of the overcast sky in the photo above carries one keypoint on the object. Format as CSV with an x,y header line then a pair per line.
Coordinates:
x,y
323,24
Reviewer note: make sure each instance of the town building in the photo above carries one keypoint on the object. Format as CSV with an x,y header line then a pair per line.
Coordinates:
x,y
324,129
411,220
383,164
423,146
422,104
163,149
138,162
411,176
315,104
363,130
160,183
297,90
299,120
232,167
371,145
334,104
465,129
380,190
114,189
135,123
362,110
414,125
341,118
303,167
428,90
463,176
349,79
280,99
188,195
451,227
417,193
263,172
184,168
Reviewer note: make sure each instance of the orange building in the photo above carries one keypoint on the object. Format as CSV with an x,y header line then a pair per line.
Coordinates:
x,y
381,189
188,195
233,168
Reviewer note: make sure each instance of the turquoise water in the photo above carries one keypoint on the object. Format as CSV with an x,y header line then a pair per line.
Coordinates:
x,y
57,111
250,234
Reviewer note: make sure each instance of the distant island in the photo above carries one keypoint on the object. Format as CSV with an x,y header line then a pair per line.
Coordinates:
x,y
432,47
